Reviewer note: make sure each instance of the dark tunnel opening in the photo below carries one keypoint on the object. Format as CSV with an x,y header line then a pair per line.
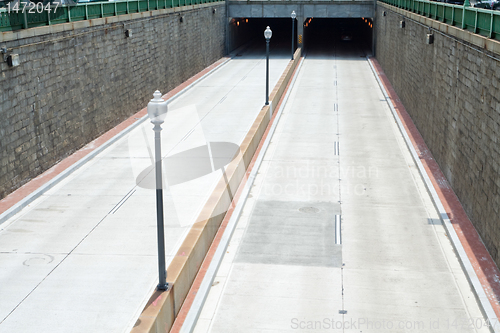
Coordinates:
x,y
317,34
243,31
343,33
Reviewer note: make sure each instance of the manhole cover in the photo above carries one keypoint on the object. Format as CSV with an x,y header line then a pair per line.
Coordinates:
x,y
309,210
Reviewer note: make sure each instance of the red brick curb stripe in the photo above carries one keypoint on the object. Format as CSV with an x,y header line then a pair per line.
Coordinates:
x,y
36,183
188,302
484,266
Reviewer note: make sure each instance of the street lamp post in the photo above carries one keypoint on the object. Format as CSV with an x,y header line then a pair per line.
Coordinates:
x,y
267,34
293,16
157,111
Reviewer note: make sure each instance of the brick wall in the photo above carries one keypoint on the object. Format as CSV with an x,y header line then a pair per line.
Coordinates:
x,y
451,91
74,85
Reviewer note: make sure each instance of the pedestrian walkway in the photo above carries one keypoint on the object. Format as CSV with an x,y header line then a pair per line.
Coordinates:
x,y
83,256
339,232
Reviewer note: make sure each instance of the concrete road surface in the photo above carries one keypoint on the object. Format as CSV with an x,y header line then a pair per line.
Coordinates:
x,y
337,155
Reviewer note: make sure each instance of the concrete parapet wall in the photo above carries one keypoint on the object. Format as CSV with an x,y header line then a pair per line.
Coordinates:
x,y
282,9
450,88
163,307
77,80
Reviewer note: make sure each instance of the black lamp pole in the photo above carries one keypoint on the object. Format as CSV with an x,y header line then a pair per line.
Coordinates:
x,y
293,16
267,34
157,111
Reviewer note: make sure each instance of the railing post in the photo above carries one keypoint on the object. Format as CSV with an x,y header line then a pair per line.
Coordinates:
x,y
86,12
491,25
475,23
463,17
102,11
69,13
25,19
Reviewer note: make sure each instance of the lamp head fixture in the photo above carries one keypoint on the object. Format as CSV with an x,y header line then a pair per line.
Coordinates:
x,y
157,109
268,33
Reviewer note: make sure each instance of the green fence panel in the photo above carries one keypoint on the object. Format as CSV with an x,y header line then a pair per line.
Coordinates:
x,y
151,4
93,11
469,20
108,9
143,6
36,19
484,22
10,21
59,15
495,27
121,8
133,7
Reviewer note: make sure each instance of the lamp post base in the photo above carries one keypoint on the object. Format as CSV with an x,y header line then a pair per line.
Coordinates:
x,y
163,287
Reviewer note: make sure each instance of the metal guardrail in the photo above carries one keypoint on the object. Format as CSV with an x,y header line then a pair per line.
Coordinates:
x,y
31,16
484,22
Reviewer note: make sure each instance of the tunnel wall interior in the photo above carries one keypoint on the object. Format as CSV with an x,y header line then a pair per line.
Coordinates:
x,y
240,31
72,86
450,90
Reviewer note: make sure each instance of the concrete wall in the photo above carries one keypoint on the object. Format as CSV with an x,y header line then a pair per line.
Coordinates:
x,y
451,90
304,9
78,80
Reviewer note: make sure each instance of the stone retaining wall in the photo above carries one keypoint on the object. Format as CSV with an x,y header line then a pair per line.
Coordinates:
x,y
78,80
451,89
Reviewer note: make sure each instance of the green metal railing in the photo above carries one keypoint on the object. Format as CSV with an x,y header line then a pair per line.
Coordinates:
x,y
30,18
480,21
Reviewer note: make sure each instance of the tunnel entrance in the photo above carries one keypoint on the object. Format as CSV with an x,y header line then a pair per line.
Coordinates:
x,y
340,33
243,31
315,34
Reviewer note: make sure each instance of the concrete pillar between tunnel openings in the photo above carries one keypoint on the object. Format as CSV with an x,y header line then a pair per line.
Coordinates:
x,y
300,31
